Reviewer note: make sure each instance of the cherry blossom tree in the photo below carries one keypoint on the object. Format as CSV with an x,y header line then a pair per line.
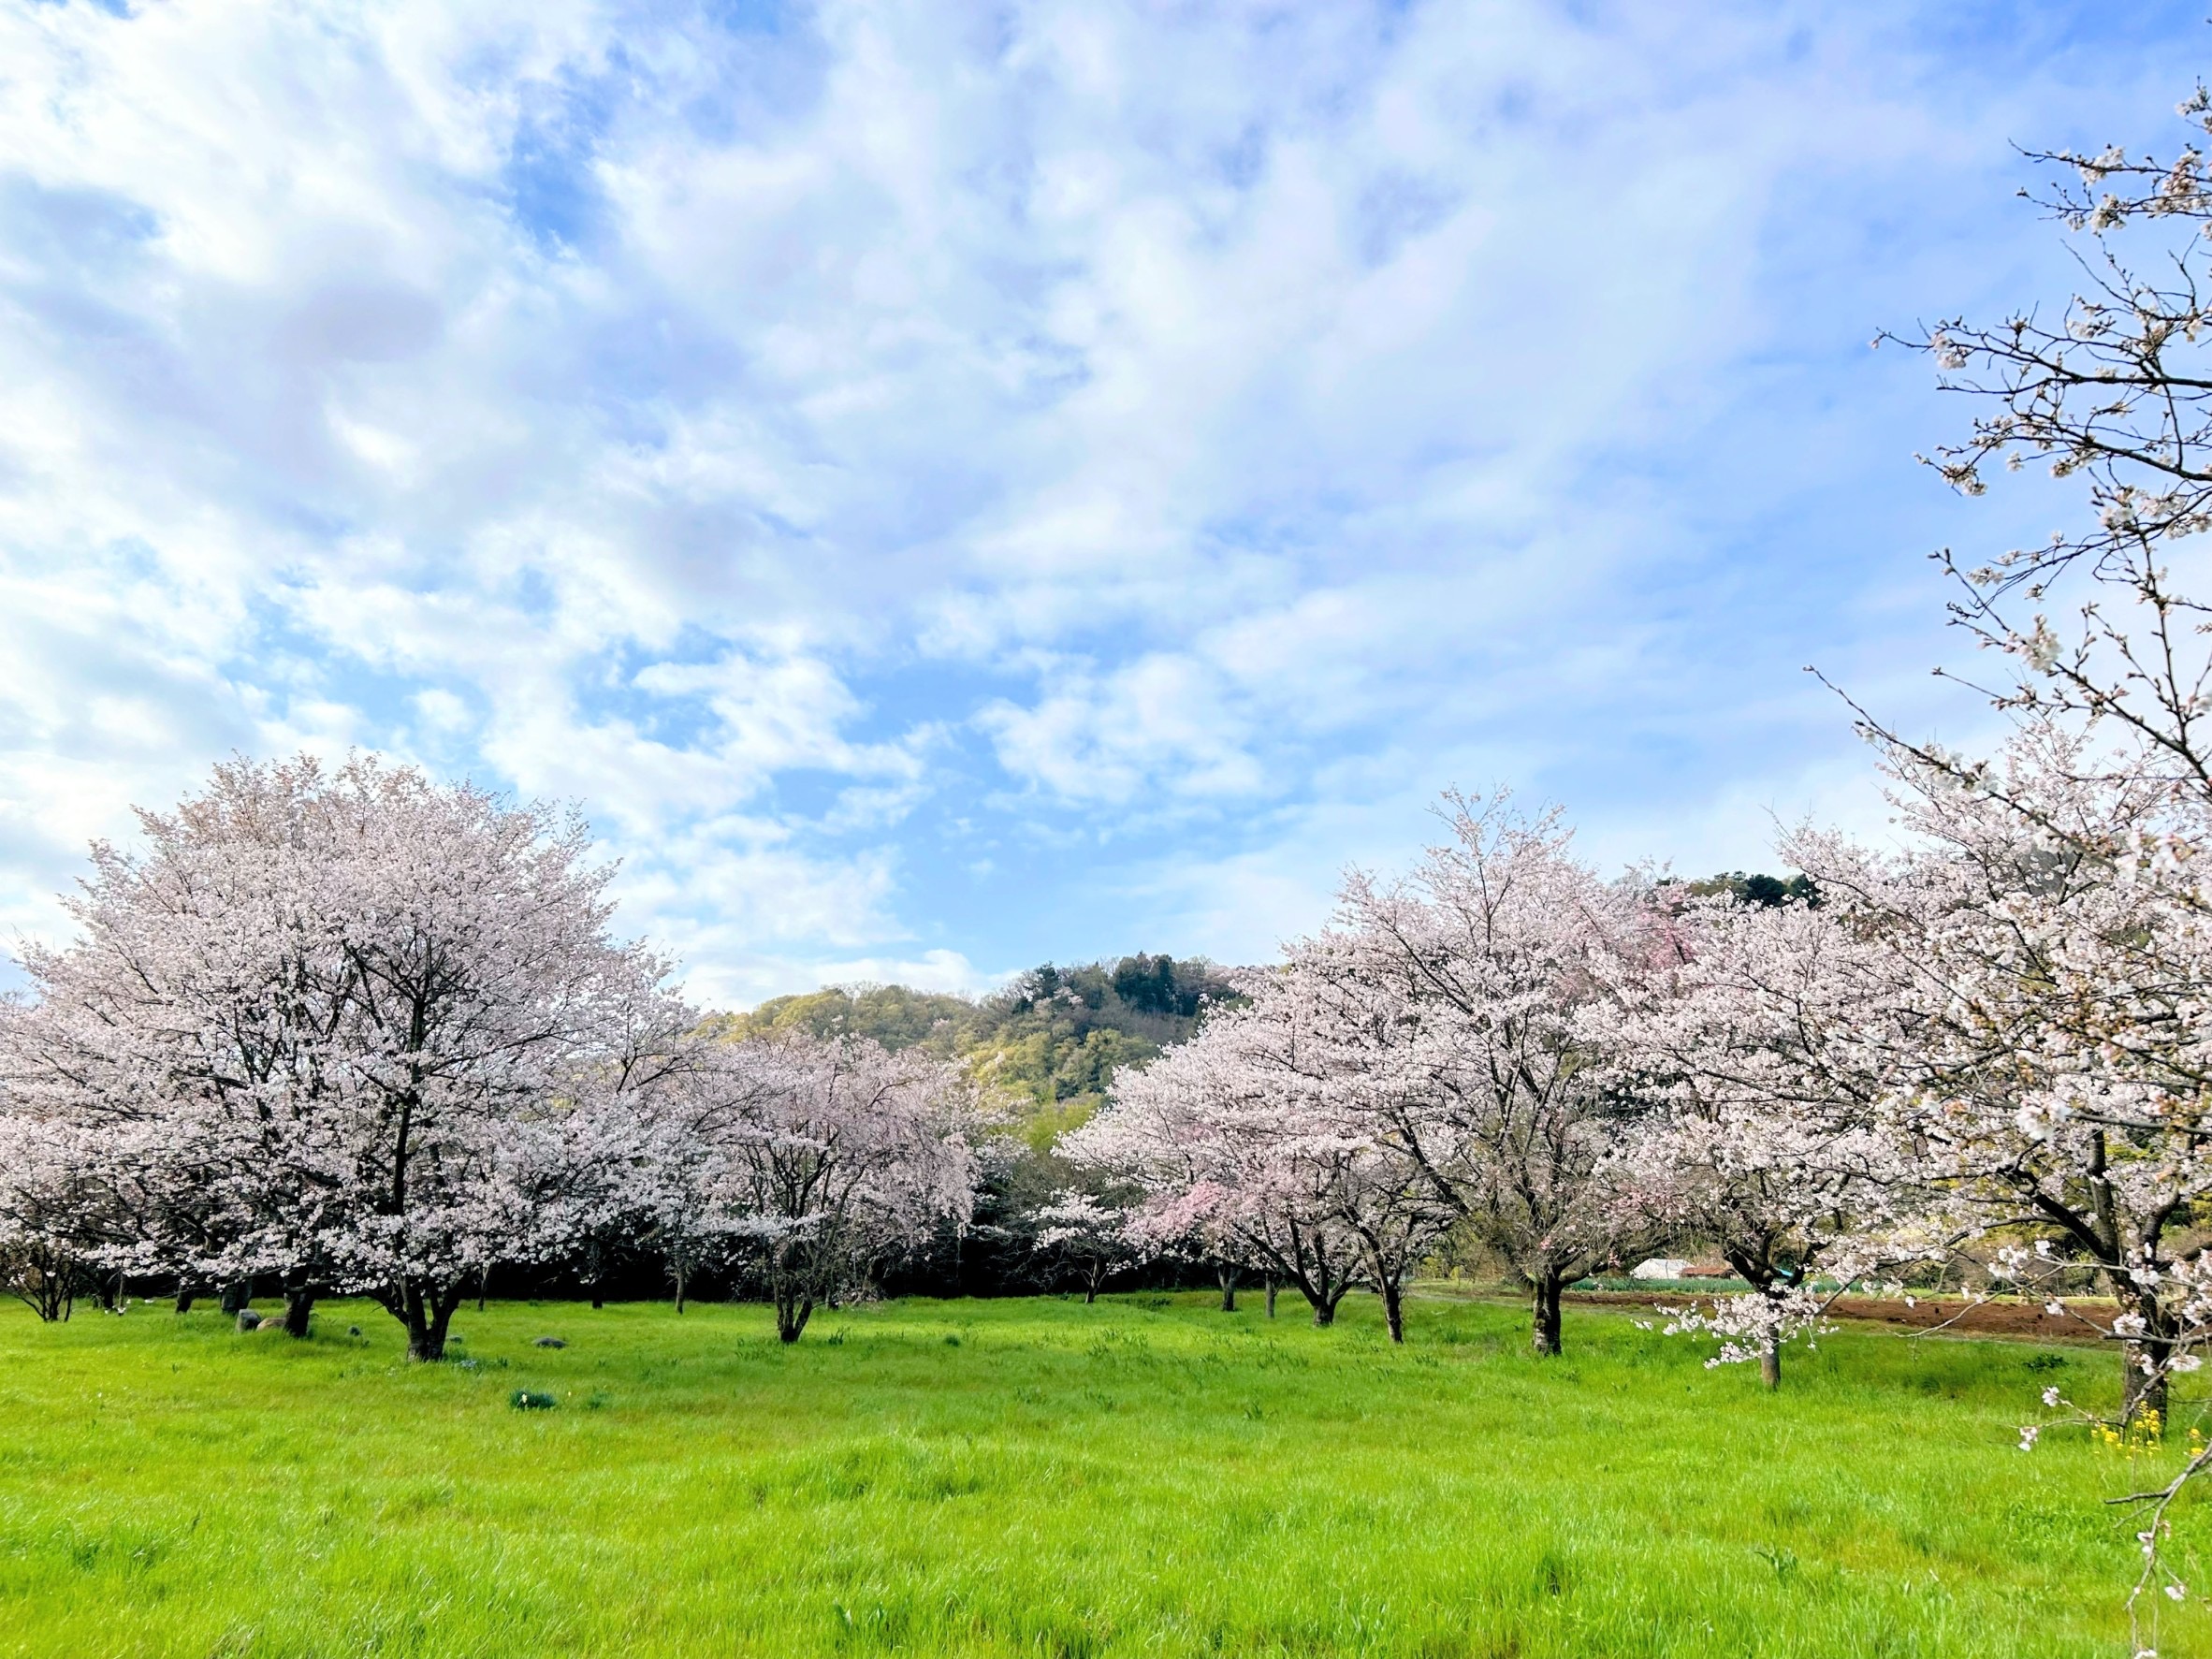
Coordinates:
x,y
1221,1143
50,1203
669,1194
1345,1048
1990,1033
1091,1235
1492,948
2058,943
73,1201
2111,388
352,1015
829,1157
2049,921
1742,1029
1266,1138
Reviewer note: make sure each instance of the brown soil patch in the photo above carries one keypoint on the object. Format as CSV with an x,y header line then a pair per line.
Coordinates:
x,y
2025,1320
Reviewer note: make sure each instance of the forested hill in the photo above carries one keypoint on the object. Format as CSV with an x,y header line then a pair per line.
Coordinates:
x,y
1048,1042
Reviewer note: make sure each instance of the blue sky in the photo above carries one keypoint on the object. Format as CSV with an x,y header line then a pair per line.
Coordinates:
x,y
945,487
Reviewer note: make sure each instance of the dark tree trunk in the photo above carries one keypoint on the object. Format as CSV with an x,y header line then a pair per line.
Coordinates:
x,y
1544,1326
427,1314
1393,1309
188,1293
679,1289
1272,1288
482,1286
237,1296
300,1307
1321,1295
299,1301
1771,1365
1227,1276
49,1285
792,1313
54,1304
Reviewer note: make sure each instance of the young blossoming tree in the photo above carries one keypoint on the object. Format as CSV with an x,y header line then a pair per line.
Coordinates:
x,y
57,1214
1338,1054
1228,1151
1744,1030
831,1156
344,1021
1278,1134
1091,1236
671,1192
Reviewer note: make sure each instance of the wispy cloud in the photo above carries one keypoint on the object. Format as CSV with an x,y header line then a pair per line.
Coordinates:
x,y
943,484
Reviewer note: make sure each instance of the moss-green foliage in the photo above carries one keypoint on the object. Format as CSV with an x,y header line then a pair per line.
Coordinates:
x,y
1046,1046
1754,889
1145,1476
896,1016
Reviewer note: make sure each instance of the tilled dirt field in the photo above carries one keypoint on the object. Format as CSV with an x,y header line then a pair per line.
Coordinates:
x,y
2024,1320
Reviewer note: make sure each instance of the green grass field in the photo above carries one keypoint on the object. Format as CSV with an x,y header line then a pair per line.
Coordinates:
x,y
1147,1476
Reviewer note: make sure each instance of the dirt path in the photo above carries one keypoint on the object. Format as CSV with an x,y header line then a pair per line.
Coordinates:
x,y
2023,1319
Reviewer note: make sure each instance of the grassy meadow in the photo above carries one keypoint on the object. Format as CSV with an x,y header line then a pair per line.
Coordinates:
x,y
1145,1476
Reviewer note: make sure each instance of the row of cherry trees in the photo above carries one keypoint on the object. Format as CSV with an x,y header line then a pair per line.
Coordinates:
x,y
1982,1057
1988,1045
1979,1053
1409,1068
356,1031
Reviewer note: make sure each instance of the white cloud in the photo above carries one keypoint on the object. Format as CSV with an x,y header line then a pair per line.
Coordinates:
x,y
842,454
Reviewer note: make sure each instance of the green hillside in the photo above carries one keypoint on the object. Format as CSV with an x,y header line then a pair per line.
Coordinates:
x,y
1045,1046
